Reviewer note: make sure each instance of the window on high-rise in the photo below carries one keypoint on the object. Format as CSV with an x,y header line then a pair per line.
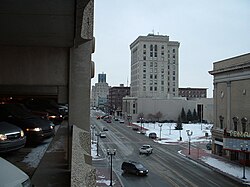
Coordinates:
x,y
151,54
155,47
162,47
162,88
144,58
144,76
162,82
155,76
173,72
151,47
144,70
155,64
155,82
144,88
151,64
155,88
144,52
151,76
144,46
144,63
151,88
162,76
173,78
162,53
173,89
162,70
151,70
155,54
173,56
173,50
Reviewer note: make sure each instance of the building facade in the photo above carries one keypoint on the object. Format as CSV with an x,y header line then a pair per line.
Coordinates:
x,y
100,92
231,131
191,93
115,99
154,67
170,109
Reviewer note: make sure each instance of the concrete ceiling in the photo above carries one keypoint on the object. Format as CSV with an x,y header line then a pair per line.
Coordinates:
x,y
41,22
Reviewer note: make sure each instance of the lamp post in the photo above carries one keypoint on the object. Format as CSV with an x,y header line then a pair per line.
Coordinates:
x,y
244,149
111,152
141,122
160,125
97,143
189,134
93,132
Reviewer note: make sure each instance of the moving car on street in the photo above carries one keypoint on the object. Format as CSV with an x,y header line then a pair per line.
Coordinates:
x,y
146,149
134,167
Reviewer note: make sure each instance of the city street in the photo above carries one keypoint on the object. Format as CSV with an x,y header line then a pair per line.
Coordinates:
x,y
166,166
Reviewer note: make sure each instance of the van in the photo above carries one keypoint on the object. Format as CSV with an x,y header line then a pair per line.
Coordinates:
x,y
152,135
12,175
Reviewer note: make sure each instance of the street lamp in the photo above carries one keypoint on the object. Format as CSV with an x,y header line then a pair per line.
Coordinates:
x,y
189,133
111,152
141,122
160,125
244,149
97,142
93,130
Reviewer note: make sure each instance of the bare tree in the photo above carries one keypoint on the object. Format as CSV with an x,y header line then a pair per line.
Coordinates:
x,y
158,116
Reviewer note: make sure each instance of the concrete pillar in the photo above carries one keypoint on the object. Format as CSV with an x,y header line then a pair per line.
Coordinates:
x,y
79,86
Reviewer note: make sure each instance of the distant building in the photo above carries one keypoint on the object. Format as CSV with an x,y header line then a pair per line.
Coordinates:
x,y
154,67
101,78
191,93
100,92
231,131
115,98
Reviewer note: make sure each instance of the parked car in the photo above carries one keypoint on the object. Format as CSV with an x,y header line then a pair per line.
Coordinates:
x,y
134,167
209,146
152,135
102,135
135,128
116,119
146,149
11,137
11,175
36,129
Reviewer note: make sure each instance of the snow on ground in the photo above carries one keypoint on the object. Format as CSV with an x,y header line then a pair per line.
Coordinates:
x,y
36,154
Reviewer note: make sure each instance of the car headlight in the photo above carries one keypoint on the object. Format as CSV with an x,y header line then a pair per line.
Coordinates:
x,y
34,129
141,171
53,117
51,127
22,133
3,137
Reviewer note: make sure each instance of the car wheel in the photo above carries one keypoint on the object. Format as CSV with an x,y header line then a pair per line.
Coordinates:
x,y
137,173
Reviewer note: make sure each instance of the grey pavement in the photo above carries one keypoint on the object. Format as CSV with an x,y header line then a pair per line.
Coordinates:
x,y
53,170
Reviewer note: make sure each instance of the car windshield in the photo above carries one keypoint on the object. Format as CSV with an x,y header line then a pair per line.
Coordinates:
x,y
139,166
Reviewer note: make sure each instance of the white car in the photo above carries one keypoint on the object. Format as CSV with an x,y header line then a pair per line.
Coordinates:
x,y
146,149
102,135
11,175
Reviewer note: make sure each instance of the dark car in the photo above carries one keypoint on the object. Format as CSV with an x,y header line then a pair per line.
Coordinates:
x,y
134,167
152,135
35,128
11,137
209,146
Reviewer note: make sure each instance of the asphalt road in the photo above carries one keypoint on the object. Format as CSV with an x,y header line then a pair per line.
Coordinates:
x,y
166,167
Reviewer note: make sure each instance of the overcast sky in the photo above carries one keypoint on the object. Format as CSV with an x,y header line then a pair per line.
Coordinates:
x,y
208,31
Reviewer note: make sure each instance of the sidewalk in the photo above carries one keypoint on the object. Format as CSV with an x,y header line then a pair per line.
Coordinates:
x,y
102,165
53,169
217,163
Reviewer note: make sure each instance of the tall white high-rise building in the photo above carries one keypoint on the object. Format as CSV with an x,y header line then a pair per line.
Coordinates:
x,y
100,92
154,67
